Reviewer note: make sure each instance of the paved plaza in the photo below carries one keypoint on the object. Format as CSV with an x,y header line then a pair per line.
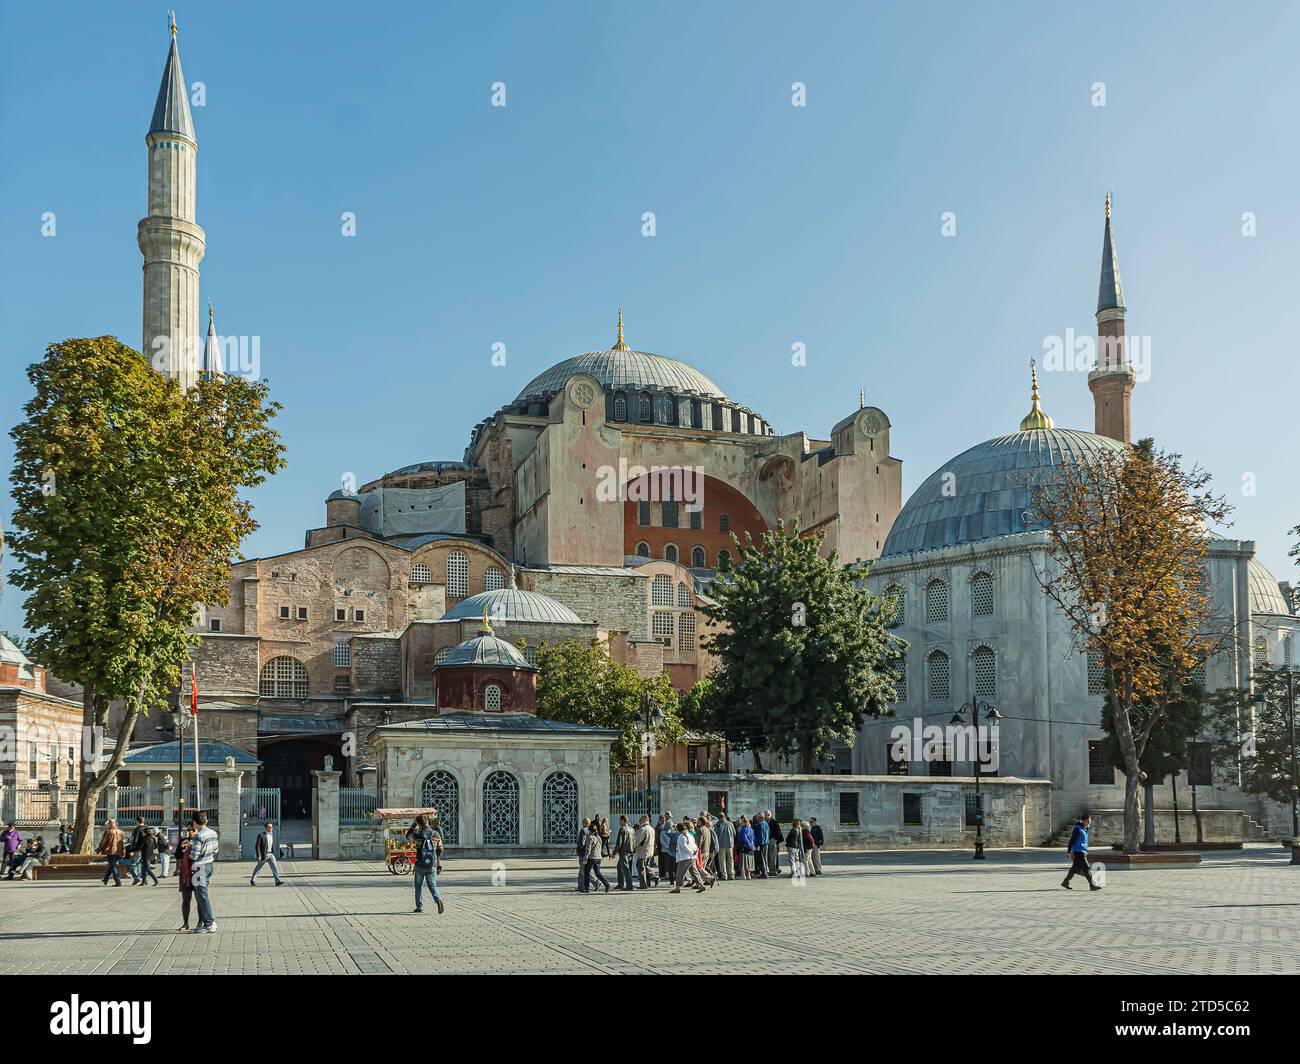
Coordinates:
x,y
916,912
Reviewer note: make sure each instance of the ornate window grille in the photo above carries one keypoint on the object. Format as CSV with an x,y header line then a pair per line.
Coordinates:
x,y
684,597
981,595
441,791
493,579
560,809
936,601
938,682
492,698
342,655
420,574
686,631
895,607
500,809
1096,673
442,655
661,591
984,663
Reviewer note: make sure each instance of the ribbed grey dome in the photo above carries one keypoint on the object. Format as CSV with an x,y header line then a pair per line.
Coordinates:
x,y
1265,595
623,369
512,604
987,493
486,650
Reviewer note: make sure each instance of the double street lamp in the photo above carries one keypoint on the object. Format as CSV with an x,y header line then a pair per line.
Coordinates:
x,y
971,711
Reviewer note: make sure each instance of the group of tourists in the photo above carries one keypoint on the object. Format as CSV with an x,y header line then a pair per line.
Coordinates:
x,y
145,845
699,851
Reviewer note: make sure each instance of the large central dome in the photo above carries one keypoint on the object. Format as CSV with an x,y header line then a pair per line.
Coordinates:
x,y
983,492
623,368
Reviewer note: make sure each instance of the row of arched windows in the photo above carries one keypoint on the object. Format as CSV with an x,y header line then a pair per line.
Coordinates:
x,y
937,600
699,556
500,805
663,409
939,678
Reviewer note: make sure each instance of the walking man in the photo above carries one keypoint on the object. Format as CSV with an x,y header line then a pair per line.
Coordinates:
x,y
624,844
761,837
687,848
773,856
264,848
1078,851
428,844
668,848
112,844
584,876
148,847
724,834
815,851
11,838
203,854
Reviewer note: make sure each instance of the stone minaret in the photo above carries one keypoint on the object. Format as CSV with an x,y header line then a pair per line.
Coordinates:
x,y
169,239
1111,382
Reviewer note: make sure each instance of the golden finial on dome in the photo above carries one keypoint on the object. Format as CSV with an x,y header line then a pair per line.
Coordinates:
x,y
1035,419
487,626
619,345
1108,205
172,16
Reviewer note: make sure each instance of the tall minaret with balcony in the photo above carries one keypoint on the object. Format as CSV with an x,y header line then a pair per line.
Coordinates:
x,y
1111,381
170,241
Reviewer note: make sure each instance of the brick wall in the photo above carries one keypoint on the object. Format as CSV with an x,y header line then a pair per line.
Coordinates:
x,y
616,602
376,664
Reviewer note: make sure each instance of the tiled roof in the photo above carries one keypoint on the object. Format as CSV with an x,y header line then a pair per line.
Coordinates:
x,y
1265,595
498,722
211,752
513,604
487,650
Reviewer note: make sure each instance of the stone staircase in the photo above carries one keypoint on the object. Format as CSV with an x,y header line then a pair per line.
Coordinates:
x,y
1217,825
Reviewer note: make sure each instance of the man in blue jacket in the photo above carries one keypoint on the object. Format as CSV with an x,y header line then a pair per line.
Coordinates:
x,y
762,835
1078,851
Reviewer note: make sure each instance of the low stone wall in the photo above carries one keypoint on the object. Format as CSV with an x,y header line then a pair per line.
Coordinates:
x,y
361,842
876,812
1217,825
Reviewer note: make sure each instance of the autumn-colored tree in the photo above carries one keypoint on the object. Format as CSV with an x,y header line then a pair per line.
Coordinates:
x,y
127,517
584,685
1129,534
803,648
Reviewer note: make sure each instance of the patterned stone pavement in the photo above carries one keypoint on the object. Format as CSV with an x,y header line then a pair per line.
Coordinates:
x,y
899,912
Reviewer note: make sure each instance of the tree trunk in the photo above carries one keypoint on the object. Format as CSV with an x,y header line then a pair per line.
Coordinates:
x,y
95,710
758,760
1149,819
1131,811
806,755
1173,783
1196,815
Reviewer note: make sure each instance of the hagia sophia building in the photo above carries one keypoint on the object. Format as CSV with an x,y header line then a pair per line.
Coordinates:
x,y
422,595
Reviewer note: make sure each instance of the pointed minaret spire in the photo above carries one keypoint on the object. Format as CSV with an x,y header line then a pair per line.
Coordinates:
x,y
862,398
211,365
1111,381
619,345
169,237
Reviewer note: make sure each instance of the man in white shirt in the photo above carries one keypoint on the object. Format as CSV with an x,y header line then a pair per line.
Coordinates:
x,y
203,852
686,851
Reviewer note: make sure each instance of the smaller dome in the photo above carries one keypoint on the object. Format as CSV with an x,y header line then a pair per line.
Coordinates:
x,y
486,650
512,604
1265,595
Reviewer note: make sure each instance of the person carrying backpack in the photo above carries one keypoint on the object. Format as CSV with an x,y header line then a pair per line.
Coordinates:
x,y
1078,851
428,844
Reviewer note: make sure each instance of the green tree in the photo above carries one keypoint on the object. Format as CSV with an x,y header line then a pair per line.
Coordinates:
x,y
804,651
584,685
1252,728
127,517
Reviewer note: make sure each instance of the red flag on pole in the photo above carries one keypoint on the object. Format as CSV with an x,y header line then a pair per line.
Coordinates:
x,y
194,693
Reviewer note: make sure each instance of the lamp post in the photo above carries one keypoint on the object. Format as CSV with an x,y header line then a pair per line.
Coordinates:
x,y
645,730
974,708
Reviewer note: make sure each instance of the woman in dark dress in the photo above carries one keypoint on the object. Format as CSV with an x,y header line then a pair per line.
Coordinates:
x,y
183,870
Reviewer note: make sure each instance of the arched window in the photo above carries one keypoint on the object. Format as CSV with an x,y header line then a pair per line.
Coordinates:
x,y
643,549
895,605
441,792
1261,651
457,575
900,685
698,558
1096,673
936,601
645,409
661,591
283,678
342,655
724,523
560,810
937,683
724,560
984,666
493,579
1288,650
500,809
666,413
442,655
981,595
620,408
670,553
1198,673
492,698
684,599
530,655
420,574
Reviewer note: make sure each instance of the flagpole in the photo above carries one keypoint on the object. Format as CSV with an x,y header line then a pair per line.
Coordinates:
x,y
194,711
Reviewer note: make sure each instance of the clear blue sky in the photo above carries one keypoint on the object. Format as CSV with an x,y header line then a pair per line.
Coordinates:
x,y
776,224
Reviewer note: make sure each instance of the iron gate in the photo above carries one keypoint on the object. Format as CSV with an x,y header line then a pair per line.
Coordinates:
x,y
257,805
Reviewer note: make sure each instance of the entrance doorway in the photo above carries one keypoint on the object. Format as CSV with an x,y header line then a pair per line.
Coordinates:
x,y
288,764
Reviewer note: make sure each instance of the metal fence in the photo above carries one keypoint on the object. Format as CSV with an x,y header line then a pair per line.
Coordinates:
x,y
627,796
357,805
27,803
